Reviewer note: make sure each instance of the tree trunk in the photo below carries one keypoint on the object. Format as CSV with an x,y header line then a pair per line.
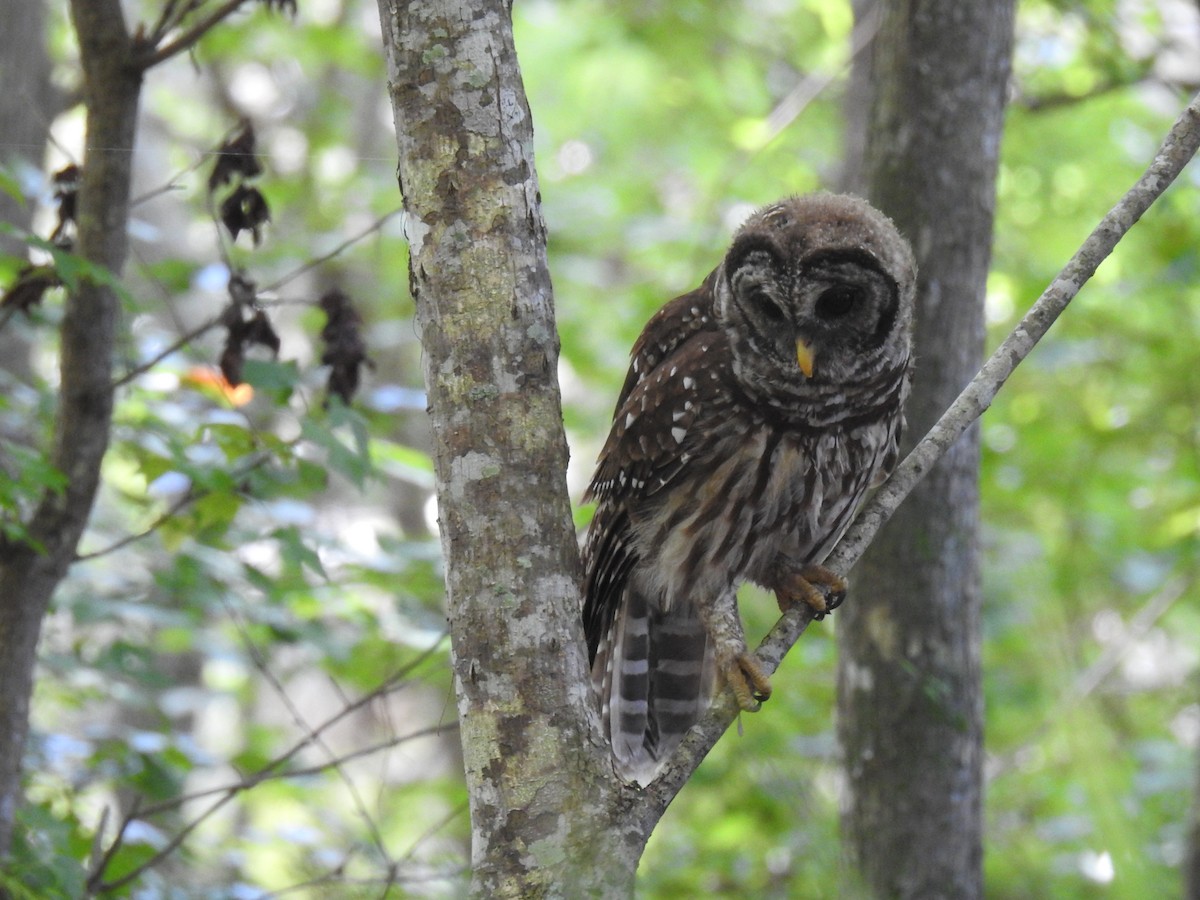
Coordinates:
x,y
31,570
543,797
909,694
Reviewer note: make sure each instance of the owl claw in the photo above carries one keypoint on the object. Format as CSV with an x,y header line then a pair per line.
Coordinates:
x,y
816,586
751,685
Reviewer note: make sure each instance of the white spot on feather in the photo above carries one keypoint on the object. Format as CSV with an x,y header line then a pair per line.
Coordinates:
x,y
679,434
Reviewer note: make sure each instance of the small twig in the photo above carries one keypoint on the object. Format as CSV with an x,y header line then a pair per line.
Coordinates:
x,y
336,251
1177,149
271,771
173,347
190,496
96,883
810,87
1090,679
183,501
169,18
259,659
192,36
274,768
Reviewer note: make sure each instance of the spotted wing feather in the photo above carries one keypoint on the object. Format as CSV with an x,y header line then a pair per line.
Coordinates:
x,y
667,329
649,446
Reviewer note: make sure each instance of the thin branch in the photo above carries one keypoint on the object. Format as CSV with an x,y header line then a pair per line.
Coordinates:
x,y
1177,149
259,659
173,347
192,36
1090,679
190,496
271,771
814,84
95,882
336,251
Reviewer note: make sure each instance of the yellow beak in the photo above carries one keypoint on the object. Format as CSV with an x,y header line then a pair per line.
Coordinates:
x,y
804,356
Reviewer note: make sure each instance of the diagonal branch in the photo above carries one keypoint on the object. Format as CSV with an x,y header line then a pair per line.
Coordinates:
x,y
1177,149
155,55
272,770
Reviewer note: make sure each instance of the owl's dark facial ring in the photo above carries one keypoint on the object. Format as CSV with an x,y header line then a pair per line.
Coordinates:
x,y
816,319
847,302
759,311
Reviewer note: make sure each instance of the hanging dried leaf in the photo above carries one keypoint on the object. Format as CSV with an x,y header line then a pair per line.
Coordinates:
x,y
233,358
345,350
242,332
30,286
245,210
259,330
235,157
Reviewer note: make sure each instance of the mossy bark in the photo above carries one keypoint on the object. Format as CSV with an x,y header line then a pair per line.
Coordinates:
x,y
543,795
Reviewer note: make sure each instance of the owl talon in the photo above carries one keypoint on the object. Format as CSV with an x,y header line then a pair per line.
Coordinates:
x,y
816,586
751,685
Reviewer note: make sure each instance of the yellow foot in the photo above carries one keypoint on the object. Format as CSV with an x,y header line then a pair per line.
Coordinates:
x,y
750,683
816,586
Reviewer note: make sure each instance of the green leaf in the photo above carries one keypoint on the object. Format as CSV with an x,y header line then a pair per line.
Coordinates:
x,y
10,186
274,378
403,463
353,463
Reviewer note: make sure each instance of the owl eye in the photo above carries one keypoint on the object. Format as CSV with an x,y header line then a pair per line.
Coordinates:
x,y
836,302
769,308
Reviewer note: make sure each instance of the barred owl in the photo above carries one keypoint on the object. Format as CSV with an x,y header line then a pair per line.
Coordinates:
x,y
757,411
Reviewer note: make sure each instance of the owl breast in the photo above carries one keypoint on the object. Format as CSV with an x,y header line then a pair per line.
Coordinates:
x,y
758,497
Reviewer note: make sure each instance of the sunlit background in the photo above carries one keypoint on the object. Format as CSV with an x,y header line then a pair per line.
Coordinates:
x,y
285,567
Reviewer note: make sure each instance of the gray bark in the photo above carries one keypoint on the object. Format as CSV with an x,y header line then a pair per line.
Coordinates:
x,y
29,572
544,801
909,693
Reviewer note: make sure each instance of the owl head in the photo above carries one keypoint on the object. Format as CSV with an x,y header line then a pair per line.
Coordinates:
x,y
816,295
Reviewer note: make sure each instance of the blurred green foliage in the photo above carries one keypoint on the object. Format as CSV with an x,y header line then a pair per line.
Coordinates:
x,y
283,565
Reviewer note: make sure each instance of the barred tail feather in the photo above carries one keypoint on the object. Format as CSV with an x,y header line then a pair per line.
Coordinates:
x,y
655,674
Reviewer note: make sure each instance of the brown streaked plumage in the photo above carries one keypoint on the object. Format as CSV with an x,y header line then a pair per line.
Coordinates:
x,y
757,411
